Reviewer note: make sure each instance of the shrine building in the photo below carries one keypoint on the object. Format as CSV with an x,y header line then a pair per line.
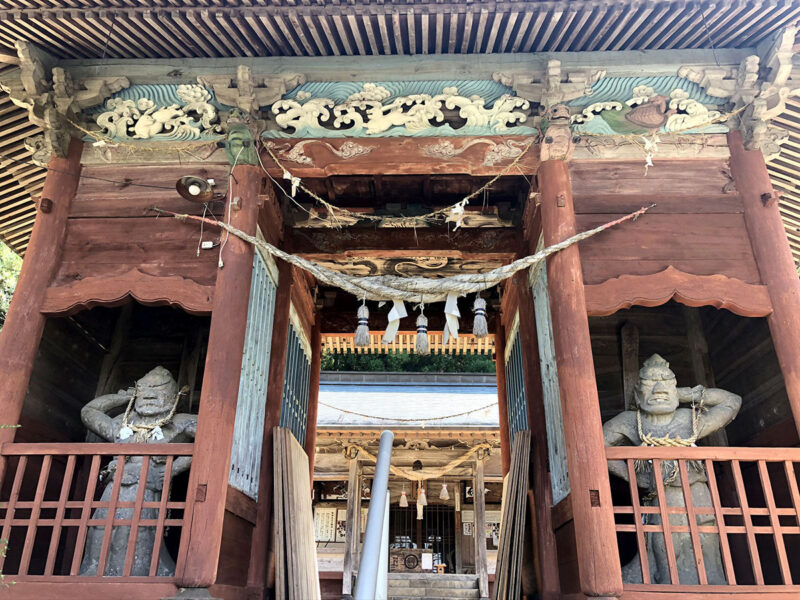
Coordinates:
x,y
598,200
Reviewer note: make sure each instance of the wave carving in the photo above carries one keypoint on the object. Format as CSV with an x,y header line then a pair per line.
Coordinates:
x,y
720,291
146,289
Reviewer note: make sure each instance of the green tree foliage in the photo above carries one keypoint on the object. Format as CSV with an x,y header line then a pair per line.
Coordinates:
x,y
409,363
10,264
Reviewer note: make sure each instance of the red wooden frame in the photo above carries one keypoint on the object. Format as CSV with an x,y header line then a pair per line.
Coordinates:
x,y
714,460
78,511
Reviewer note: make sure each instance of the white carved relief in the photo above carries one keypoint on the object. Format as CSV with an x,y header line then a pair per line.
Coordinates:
x,y
495,153
365,112
141,119
296,153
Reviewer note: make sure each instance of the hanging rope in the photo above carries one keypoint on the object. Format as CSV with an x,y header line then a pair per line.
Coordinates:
x,y
425,473
399,420
410,289
341,216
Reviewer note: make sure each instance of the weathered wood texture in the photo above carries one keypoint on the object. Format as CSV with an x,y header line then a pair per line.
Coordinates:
x,y
262,551
600,573
774,259
750,300
22,331
296,576
352,527
502,399
695,226
220,386
115,246
479,526
541,522
313,394
398,156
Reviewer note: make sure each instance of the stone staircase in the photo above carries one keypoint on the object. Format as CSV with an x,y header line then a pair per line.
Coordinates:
x,y
430,586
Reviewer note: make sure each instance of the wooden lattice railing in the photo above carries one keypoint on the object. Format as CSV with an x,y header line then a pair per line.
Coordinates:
x,y
58,500
749,514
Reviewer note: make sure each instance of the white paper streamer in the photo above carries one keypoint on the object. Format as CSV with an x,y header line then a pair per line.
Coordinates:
x,y
125,433
398,312
452,315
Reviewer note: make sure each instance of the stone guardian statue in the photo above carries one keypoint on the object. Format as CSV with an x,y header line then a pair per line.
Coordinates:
x,y
149,417
659,420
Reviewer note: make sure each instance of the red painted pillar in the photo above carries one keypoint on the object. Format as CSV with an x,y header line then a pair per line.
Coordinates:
x,y
208,482
774,259
260,577
543,534
313,394
598,554
502,396
22,332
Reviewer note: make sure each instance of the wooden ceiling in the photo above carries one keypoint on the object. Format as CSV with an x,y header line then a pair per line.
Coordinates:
x,y
216,28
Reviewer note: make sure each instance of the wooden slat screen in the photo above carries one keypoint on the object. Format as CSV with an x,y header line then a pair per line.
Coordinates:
x,y
554,421
249,425
515,388
752,509
406,341
62,493
294,405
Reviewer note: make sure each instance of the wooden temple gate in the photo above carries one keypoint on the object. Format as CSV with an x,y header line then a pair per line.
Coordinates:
x,y
714,239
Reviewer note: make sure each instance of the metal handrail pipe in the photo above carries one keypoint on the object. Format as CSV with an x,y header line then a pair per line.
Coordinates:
x,y
367,580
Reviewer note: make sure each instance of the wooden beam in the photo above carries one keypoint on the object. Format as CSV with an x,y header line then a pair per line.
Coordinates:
x,y
353,522
22,331
629,340
481,567
313,393
598,554
487,243
324,157
208,481
502,398
774,259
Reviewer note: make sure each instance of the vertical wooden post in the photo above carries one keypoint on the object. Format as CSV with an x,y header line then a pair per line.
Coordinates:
x,y
481,568
598,554
459,526
313,393
502,397
629,339
353,523
774,259
259,577
545,551
701,365
22,332
208,482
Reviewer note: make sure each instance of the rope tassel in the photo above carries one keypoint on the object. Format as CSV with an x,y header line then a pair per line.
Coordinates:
x,y
362,331
422,335
480,329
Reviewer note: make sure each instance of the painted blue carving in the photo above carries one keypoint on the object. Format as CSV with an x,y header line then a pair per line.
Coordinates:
x,y
162,94
619,89
339,91
443,131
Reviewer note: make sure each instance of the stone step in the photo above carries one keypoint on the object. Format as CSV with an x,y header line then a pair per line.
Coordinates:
x,y
390,597
433,577
432,592
441,583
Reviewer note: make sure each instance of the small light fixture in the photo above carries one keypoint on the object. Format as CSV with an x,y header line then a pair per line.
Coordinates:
x,y
195,189
444,495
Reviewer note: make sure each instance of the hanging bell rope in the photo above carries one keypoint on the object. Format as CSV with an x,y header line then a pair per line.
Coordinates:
x,y
410,289
480,329
423,346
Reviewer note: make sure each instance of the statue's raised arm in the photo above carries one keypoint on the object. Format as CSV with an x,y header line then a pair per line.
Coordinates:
x,y
95,413
715,408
